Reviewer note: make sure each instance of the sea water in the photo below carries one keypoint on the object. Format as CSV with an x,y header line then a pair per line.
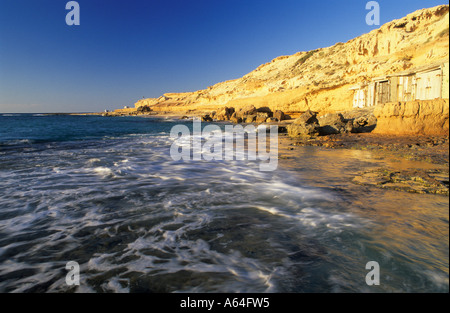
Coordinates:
x,y
104,192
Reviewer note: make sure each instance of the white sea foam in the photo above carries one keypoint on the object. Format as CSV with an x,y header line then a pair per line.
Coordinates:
x,y
440,279
93,161
231,226
19,142
115,285
103,171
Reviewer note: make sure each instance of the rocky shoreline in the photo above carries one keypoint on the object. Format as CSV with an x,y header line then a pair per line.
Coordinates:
x,y
310,96
347,130
353,130
430,176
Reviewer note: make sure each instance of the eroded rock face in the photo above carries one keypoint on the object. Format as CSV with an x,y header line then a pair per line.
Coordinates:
x,y
320,79
429,117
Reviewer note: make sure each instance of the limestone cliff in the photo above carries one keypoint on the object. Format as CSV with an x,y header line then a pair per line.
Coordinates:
x,y
319,80
429,117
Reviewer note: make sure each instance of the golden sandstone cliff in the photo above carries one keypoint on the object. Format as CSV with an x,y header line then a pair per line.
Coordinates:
x,y
321,80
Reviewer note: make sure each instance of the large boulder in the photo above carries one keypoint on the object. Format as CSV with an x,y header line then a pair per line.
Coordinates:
x,y
360,121
264,110
303,130
271,120
261,119
224,114
266,115
235,119
306,118
279,115
247,110
206,118
306,125
364,124
144,109
334,123
249,118
363,120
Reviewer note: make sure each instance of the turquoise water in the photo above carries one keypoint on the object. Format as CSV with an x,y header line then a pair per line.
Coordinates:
x,y
40,128
104,192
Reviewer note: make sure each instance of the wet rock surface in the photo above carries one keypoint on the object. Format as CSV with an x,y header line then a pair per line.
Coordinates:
x,y
415,181
432,150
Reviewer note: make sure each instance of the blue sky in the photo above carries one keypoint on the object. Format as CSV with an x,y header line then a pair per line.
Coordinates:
x,y
125,50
